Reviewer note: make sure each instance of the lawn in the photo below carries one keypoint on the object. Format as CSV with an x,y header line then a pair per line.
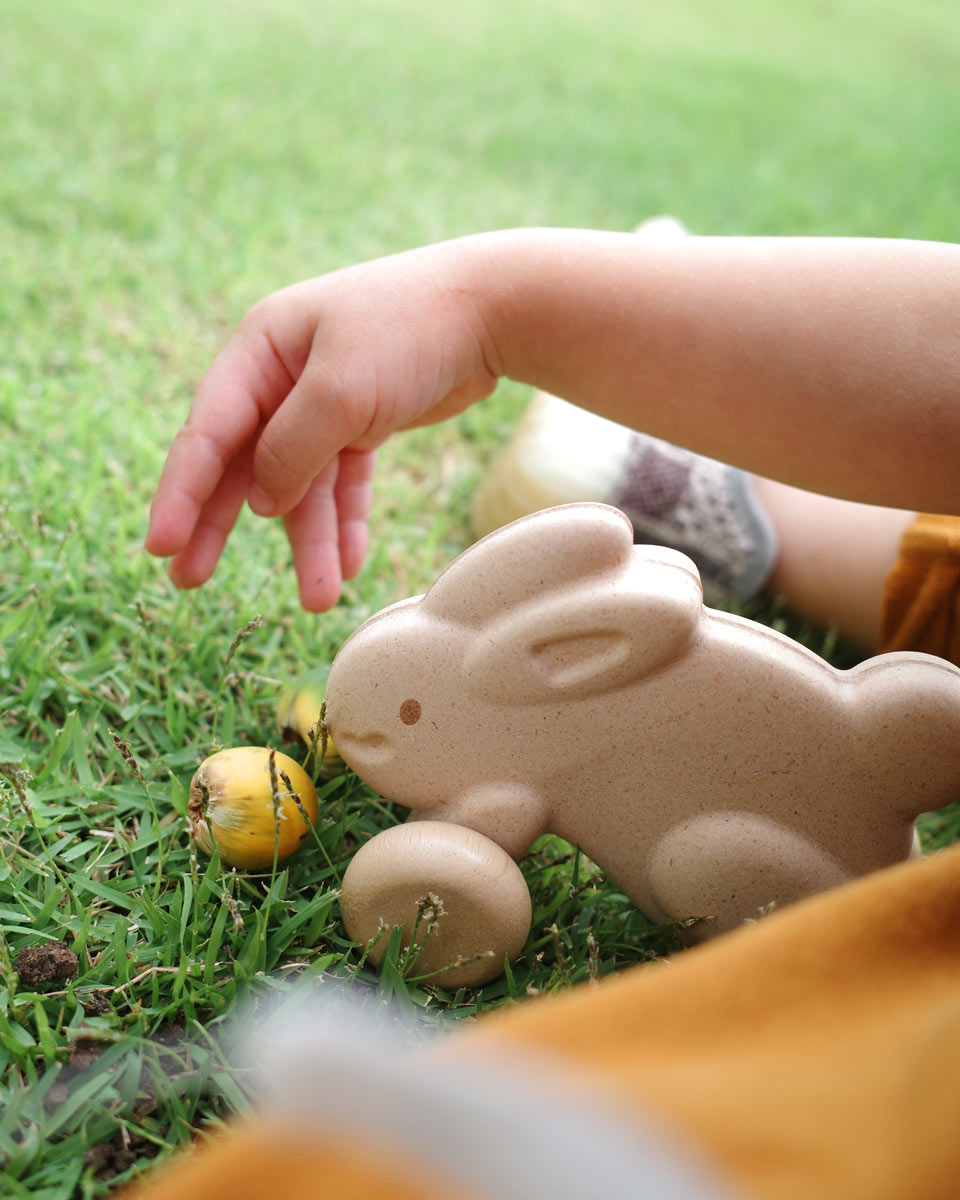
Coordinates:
x,y
163,167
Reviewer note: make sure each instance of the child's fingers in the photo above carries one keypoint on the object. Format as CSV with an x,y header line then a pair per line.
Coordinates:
x,y
242,388
195,563
194,468
354,496
311,527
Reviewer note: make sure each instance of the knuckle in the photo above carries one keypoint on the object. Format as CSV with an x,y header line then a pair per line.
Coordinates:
x,y
271,464
259,315
200,441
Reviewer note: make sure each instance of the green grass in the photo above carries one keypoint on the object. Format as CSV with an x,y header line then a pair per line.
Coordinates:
x,y
164,167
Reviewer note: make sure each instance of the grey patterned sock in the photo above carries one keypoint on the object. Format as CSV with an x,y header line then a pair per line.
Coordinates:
x,y
703,507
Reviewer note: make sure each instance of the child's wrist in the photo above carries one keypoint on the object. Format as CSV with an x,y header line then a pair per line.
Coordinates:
x,y
493,273
474,284
530,288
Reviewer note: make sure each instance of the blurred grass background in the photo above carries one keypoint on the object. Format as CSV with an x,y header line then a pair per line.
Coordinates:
x,y
161,168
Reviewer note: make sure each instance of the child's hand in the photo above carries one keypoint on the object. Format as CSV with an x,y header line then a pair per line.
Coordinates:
x,y
289,415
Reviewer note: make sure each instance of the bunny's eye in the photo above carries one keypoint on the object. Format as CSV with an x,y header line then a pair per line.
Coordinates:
x,y
410,712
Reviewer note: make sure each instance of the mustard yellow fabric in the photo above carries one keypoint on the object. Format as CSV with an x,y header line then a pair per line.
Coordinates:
x,y
815,1054
921,608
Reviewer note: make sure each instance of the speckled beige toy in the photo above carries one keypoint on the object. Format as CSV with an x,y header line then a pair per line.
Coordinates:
x,y
556,677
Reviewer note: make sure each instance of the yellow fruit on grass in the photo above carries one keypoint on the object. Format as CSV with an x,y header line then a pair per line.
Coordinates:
x,y
249,810
299,717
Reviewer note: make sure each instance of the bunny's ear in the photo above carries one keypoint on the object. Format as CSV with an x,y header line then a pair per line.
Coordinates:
x,y
531,558
590,639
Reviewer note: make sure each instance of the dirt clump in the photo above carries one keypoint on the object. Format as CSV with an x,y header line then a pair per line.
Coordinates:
x,y
50,963
96,1004
110,1159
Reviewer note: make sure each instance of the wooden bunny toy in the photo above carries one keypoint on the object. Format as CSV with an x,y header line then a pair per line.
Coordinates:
x,y
558,678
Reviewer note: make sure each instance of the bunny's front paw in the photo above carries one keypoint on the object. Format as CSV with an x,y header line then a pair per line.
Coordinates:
x,y
509,814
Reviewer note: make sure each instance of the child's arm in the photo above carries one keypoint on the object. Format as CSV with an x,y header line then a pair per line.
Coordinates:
x,y
833,364
830,363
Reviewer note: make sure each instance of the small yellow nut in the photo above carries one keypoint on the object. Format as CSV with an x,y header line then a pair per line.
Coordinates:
x,y
248,811
298,718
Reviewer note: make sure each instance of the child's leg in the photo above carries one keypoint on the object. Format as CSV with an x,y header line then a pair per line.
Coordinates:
x,y
833,558
827,558
560,453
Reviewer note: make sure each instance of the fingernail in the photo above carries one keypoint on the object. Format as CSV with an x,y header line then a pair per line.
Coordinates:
x,y
262,504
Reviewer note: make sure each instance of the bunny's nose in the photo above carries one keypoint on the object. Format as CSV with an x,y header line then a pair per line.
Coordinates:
x,y
359,750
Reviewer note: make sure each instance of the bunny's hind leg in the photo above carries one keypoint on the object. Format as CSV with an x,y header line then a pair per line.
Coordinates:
x,y
731,867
